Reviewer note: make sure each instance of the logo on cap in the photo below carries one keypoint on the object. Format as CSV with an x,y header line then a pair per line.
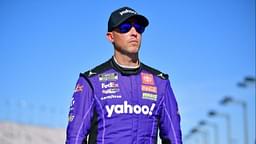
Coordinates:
x,y
127,11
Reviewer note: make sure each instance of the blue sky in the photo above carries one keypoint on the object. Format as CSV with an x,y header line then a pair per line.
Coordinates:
x,y
205,46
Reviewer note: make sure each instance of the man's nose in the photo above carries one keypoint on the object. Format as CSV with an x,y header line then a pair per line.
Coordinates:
x,y
133,31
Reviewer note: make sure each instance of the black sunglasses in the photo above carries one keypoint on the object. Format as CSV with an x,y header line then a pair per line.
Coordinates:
x,y
125,27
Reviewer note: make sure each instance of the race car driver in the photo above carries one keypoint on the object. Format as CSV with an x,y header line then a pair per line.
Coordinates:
x,y
124,100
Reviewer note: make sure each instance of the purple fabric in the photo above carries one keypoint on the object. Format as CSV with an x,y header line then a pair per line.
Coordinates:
x,y
126,112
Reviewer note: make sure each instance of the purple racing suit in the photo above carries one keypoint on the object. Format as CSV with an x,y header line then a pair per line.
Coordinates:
x,y
114,105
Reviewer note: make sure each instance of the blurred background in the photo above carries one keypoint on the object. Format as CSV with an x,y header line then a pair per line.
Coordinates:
x,y
207,47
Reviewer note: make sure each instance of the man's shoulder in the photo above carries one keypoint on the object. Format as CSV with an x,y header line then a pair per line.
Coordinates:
x,y
97,70
155,72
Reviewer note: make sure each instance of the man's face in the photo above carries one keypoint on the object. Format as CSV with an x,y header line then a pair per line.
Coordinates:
x,y
126,40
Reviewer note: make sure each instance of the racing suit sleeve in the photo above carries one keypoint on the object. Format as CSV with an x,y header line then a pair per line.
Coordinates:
x,y
169,122
81,113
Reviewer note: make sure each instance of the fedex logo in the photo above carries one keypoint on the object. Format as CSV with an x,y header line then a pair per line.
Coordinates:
x,y
127,108
109,85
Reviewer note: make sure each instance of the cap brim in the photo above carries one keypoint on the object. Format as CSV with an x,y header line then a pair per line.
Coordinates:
x,y
141,19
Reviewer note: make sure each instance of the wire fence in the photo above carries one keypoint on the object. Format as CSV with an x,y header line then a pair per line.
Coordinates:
x,y
21,111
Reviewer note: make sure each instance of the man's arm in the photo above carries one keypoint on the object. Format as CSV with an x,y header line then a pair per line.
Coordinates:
x,y
81,112
170,132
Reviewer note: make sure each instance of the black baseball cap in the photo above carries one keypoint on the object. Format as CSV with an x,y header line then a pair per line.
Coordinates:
x,y
122,14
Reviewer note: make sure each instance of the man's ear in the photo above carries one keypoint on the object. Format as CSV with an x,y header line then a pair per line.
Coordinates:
x,y
110,37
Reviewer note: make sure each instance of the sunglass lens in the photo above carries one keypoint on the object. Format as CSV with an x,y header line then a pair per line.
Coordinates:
x,y
139,28
125,27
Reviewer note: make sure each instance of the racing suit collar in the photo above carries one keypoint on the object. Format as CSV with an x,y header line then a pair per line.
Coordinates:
x,y
124,70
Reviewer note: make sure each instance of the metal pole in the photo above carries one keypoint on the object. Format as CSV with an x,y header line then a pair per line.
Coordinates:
x,y
216,135
245,123
205,137
228,129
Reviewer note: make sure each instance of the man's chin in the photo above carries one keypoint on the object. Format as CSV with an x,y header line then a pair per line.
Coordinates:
x,y
132,52
134,49
129,50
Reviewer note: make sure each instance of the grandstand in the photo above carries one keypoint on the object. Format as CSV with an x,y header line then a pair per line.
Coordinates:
x,y
13,133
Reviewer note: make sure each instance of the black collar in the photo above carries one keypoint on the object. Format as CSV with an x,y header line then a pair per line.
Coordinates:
x,y
124,71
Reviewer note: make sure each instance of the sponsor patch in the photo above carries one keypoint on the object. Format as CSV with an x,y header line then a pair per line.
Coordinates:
x,y
79,88
72,104
71,118
147,88
127,108
108,77
111,97
149,96
147,78
109,85
110,91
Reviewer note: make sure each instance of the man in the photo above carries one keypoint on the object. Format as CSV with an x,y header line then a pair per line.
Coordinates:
x,y
124,100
